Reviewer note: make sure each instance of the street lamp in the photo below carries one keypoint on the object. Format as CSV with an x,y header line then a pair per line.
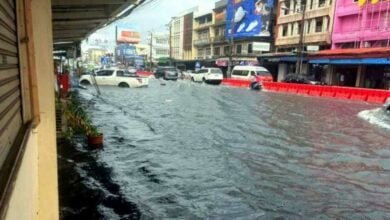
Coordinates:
x,y
302,11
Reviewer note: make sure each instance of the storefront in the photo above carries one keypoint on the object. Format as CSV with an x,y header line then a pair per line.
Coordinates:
x,y
360,67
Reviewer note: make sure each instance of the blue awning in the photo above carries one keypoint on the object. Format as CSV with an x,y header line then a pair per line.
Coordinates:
x,y
343,61
291,59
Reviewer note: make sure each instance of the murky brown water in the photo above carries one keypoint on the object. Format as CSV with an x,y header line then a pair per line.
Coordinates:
x,y
194,151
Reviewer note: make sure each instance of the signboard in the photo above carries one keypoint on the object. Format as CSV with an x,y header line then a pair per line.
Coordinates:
x,y
128,36
248,18
261,46
313,48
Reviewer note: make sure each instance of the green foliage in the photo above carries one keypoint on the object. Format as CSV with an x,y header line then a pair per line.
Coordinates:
x,y
78,119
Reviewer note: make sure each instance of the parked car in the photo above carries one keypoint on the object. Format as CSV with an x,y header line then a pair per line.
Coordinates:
x,y
208,75
115,77
247,72
167,73
301,79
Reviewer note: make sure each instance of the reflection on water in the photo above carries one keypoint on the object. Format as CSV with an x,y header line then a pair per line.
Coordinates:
x,y
193,151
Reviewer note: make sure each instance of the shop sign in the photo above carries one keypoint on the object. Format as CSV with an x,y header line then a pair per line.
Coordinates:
x,y
312,48
261,46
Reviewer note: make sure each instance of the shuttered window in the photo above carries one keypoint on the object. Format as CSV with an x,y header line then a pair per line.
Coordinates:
x,y
10,92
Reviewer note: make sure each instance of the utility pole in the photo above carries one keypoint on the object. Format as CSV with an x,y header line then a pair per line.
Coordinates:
x,y
151,51
300,44
170,43
231,43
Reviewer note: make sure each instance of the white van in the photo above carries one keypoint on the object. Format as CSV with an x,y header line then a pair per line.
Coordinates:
x,y
245,72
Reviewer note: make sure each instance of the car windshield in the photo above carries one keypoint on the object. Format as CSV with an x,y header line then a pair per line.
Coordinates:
x,y
263,73
217,71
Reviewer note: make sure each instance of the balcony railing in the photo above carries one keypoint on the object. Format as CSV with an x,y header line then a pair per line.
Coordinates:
x,y
219,39
202,41
204,25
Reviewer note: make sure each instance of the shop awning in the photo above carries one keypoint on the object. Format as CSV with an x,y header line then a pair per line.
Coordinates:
x,y
356,61
352,53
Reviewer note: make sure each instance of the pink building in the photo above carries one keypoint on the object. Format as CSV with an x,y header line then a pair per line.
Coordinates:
x,y
365,27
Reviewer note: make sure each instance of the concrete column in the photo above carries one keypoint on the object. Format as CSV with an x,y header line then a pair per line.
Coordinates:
x,y
282,71
280,32
329,75
306,26
360,76
325,24
312,25
291,7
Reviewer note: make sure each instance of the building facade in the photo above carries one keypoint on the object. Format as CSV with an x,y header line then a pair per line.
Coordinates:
x,y
316,17
360,44
159,47
212,43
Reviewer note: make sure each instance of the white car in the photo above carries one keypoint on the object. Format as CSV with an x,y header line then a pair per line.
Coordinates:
x,y
208,75
115,77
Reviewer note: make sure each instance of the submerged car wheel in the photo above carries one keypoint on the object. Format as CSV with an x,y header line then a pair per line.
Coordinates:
x,y
123,85
85,82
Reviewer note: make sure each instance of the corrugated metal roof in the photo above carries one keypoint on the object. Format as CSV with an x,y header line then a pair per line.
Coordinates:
x,y
74,20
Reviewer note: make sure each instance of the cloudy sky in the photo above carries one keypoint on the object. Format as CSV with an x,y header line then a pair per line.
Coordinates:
x,y
152,15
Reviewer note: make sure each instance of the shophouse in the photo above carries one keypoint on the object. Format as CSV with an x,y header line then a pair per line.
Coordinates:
x,y
159,45
360,45
316,19
252,34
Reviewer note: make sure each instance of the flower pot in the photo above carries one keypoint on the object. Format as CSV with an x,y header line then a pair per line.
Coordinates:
x,y
95,141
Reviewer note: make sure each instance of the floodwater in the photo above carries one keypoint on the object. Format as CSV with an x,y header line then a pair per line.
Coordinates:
x,y
194,151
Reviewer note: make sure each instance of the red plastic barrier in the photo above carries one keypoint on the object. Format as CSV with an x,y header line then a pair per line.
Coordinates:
x,y
236,82
144,73
352,93
343,93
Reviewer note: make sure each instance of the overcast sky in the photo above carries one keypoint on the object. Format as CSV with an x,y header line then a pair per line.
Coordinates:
x,y
152,15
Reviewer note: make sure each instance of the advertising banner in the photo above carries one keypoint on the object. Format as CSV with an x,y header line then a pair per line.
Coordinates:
x,y
128,36
249,18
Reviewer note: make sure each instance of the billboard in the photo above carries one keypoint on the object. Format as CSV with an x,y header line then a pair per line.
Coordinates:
x,y
249,18
128,36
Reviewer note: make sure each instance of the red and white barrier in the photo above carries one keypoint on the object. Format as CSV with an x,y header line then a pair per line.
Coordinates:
x,y
351,93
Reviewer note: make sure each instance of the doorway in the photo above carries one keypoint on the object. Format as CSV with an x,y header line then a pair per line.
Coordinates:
x,y
346,75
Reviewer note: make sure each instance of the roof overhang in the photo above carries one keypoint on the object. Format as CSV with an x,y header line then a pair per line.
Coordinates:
x,y
352,53
74,20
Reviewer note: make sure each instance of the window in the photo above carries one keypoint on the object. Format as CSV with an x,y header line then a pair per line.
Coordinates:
x,y
217,51
208,51
216,32
284,31
286,10
129,51
319,22
238,49
298,29
105,73
226,50
250,48
308,26
120,73
321,3
240,72
218,71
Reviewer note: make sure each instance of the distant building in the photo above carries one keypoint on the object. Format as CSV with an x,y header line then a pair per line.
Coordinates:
x,y
160,47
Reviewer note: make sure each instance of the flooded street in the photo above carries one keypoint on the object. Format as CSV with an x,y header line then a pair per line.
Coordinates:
x,y
196,151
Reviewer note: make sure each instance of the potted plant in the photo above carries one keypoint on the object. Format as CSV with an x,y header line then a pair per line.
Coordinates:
x,y
80,123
